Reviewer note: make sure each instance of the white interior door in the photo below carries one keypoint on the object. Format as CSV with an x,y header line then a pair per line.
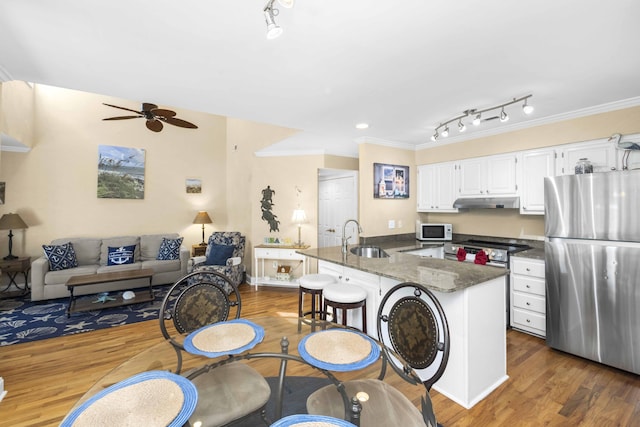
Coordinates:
x,y
337,202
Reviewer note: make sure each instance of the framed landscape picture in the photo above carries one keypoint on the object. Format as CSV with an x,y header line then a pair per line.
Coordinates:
x,y
390,181
120,172
194,186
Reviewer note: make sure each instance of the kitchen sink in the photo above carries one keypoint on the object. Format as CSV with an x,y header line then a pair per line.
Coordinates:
x,y
369,251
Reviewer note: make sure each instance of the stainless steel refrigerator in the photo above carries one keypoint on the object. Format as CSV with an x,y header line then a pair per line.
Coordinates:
x,y
592,256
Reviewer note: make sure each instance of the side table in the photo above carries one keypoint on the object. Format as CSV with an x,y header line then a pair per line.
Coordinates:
x,y
198,250
13,267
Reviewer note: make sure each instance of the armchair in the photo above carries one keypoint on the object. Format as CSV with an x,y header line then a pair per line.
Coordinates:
x,y
217,259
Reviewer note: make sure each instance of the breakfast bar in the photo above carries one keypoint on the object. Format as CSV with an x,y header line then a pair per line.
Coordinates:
x,y
472,296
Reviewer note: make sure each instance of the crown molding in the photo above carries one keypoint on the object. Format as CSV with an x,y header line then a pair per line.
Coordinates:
x,y
10,144
385,143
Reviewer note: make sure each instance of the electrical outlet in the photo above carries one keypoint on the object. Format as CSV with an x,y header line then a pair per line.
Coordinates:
x,y
399,223
392,223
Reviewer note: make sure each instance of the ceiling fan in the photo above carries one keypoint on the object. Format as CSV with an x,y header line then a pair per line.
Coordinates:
x,y
154,117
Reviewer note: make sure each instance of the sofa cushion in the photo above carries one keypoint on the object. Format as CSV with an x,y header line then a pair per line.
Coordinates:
x,y
60,277
150,244
219,254
87,249
116,242
169,249
162,266
61,257
121,255
121,267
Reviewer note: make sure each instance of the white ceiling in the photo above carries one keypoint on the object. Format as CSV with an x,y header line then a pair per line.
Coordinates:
x,y
401,66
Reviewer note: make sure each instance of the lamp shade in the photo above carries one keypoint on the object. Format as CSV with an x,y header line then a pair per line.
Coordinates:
x,y
299,217
12,221
202,218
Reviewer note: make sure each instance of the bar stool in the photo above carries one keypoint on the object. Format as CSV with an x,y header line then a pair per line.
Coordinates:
x,y
345,297
312,284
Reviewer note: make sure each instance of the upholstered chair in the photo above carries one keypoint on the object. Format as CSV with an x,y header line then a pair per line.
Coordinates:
x,y
224,255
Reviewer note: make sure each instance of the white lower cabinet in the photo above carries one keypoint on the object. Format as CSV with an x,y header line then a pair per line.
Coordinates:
x,y
528,303
367,281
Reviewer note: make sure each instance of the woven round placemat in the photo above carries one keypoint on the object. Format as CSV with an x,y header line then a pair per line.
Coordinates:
x,y
155,402
338,347
223,337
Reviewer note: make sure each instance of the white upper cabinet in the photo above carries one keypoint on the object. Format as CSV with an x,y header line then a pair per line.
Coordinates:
x,y
601,153
437,185
489,176
536,165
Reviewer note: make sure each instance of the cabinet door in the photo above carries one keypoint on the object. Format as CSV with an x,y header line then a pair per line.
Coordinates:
x,y
536,165
447,184
601,153
426,177
501,175
472,178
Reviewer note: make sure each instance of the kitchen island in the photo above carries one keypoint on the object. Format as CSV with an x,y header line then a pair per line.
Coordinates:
x,y
472,296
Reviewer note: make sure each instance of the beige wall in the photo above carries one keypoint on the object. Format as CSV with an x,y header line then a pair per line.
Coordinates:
x,y
508,222
375,213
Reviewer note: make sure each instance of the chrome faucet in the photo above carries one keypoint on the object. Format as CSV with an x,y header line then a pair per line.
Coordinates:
x,y
345,239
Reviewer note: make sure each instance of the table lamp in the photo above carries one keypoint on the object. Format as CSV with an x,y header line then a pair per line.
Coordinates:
x,y
202,218
299,218
11,222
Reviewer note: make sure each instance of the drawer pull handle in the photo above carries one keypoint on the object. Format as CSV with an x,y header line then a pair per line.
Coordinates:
x,y
528,321
528,287
528,269
528,303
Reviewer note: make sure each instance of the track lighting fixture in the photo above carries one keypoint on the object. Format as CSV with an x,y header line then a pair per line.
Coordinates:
x,y
273,29
503,116
477,116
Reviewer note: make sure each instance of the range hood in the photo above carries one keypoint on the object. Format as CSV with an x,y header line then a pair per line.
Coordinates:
x,y
487,203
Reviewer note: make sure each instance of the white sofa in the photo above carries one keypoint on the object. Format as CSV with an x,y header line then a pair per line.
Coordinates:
x,y
91,255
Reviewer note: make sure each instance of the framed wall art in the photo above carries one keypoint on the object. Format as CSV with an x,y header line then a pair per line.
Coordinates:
x,y
194,186
390,181
120,172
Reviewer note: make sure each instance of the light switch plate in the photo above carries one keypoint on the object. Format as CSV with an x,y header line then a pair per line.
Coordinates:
x,y
392,223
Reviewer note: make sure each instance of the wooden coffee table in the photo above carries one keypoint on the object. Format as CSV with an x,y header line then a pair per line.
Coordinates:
x,y
97,278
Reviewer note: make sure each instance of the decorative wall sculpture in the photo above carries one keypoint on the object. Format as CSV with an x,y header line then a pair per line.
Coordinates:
x,y
266,204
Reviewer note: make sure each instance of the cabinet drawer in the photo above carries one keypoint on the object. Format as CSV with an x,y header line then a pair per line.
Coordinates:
x,y
528,320
528,284
529,302
527,267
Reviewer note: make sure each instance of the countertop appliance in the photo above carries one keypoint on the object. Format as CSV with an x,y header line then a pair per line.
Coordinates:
x,y
433,232
592,266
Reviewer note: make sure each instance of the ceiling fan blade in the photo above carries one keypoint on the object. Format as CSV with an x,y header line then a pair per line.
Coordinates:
x,y
162,112
123,117
154,125
146,106
122,108
179,122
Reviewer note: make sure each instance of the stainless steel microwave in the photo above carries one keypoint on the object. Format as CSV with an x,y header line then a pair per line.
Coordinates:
x,y
426,231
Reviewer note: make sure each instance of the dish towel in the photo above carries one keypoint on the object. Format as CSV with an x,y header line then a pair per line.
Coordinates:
x,y
462,254
481,258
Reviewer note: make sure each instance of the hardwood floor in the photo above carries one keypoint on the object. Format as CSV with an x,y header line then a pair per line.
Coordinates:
x,y
546,388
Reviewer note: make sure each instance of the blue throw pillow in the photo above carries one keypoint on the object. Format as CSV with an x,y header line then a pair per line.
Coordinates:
x,y
169,249
219,254
120,255
61,257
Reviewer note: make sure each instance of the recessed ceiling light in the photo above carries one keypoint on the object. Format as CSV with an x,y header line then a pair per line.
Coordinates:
x,y
362,126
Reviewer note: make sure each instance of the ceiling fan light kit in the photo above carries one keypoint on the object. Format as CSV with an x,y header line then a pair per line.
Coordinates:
x,y
477,116
154,117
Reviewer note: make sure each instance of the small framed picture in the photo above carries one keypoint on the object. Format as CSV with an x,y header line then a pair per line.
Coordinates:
x,y
194,185
390,181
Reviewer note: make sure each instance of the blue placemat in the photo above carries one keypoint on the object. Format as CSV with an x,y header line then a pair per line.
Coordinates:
x,y
259,336
304,418
342,367
188,389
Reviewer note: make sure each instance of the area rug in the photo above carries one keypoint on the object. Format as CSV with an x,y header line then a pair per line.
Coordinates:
x,y
24,321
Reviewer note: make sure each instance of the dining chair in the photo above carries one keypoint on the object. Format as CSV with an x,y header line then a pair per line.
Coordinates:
x,y
413,324
228,392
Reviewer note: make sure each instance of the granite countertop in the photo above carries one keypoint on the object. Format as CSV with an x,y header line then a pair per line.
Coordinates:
x,y
533,253
435,274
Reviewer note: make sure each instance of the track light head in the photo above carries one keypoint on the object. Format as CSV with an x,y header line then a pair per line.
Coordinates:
x,y
504,116
461,126
286,3
273,29
526,108
476,120
445,132
434,137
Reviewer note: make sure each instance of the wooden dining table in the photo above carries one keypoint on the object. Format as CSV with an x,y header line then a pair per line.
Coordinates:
x,y
278,357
